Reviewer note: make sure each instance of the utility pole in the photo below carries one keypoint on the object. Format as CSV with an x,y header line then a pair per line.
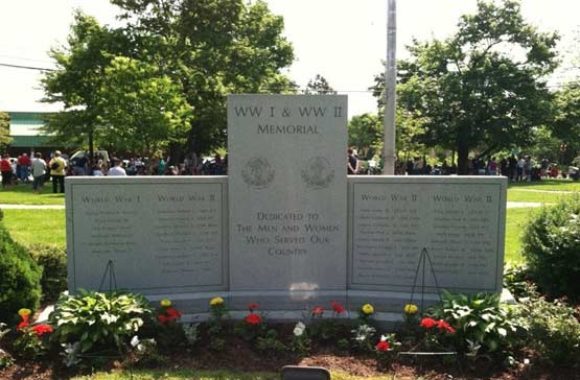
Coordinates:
x,y
389,151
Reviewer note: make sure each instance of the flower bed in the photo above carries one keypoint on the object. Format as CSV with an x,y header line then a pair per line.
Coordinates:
x,y
95,330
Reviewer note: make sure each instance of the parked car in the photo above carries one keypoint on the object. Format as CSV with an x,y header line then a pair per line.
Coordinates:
x,y
80,154
574,173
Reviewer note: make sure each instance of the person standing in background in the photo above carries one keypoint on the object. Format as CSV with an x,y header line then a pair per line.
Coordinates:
x,y
6,170
57,172
117,169
24,165
38,167
351,163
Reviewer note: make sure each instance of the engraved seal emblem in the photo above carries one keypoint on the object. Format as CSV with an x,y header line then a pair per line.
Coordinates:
x,y
317,173
258,173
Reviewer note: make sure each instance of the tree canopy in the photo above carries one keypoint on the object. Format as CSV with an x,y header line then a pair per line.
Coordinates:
x,y
319,85
483,88
566,125
5,138
197,52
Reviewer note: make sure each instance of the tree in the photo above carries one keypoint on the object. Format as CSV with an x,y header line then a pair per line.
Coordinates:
x,y
365,132
566,125
5,138
319,85
481,89
77,81
142,111
203,49
212,48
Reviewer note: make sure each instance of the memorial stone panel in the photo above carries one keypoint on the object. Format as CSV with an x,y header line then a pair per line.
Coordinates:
x,y
162,235
287,172
460,222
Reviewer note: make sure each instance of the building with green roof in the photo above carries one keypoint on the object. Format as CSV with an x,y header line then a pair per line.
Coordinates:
x,y
26,133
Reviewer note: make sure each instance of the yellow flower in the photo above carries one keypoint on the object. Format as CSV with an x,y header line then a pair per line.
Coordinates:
x,y
216,301
411,309
24,312
368,309
165,302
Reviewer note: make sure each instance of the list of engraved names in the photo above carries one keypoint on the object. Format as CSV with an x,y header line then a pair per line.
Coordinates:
x,y
157,235
456,223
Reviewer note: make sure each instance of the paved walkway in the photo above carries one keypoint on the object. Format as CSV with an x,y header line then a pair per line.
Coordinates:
x,y
526,204
61,207
545,191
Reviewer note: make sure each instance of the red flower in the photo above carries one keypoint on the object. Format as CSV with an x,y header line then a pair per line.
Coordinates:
x,y
317,311
24,323
338,308
428,323
42,329
172,313
253,306
445,327
168,314
253,319
383,346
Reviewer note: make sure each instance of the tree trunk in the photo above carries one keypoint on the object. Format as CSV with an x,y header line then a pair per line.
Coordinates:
x,y
91,149
462,160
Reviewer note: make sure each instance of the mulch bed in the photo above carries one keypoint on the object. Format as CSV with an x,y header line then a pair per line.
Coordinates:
x,y
238,356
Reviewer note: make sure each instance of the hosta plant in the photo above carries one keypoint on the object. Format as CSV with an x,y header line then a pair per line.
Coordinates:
x,y
94,321
481,323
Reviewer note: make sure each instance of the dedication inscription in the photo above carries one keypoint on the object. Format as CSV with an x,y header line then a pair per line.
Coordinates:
x,y
287,175
161,234
460,221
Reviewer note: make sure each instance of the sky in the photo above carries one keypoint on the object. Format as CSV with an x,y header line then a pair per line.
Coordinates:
x,y
343,40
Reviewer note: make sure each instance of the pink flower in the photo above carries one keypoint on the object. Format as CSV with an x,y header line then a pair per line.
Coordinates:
x,y
317,311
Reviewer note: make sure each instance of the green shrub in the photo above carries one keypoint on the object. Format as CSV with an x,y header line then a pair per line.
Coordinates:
x,y
553,330
516,279
552,248
19,278
481,322
54,270
93,321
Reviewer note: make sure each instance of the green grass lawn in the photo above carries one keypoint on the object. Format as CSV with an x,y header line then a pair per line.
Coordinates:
x,y
516,220
520,195
23,195
548,185
28,227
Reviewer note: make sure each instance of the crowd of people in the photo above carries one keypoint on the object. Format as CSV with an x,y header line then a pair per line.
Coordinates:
x,y
155,166
37,171
517,169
